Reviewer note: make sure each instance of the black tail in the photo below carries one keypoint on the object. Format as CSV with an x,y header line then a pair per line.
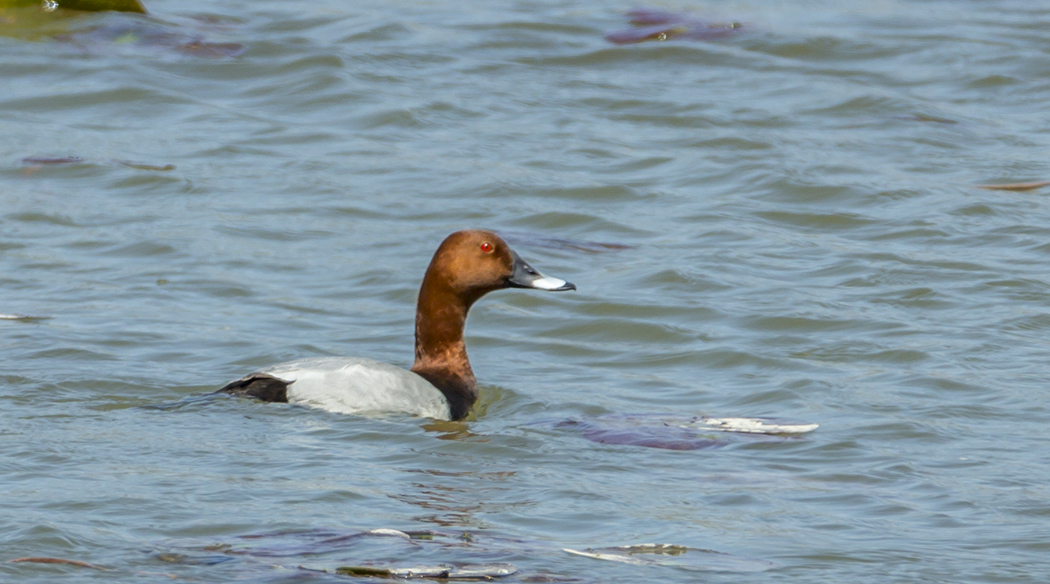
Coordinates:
x,y
259,386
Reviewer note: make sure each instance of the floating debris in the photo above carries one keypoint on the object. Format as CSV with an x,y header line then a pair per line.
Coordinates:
x,y
750,425
469,572
667,554
22,317
1025,186
426,554
661,25
379,553
670,432
76,563
35,162
42,160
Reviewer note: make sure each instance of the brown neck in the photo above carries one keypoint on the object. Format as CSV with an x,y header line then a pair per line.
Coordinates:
x,y
441,354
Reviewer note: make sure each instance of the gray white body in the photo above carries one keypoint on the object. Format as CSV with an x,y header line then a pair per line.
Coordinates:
x,y
356,385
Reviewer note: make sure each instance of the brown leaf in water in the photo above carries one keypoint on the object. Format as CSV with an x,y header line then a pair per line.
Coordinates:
x,y
76,563
1026,186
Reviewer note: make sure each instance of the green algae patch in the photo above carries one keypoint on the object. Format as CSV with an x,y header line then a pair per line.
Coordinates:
x,y
82,5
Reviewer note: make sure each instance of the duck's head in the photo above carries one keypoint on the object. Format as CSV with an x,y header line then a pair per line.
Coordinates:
x,y
472,263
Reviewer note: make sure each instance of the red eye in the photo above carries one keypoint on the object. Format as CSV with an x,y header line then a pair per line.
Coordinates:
x,y
486,247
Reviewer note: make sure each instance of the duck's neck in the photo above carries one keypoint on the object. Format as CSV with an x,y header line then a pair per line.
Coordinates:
x,y
441,354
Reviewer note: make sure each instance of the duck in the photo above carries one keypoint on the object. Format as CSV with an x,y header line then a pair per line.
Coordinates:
x,y
440,384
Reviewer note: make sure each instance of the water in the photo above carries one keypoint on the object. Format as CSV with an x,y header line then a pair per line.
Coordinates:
x,y
795,234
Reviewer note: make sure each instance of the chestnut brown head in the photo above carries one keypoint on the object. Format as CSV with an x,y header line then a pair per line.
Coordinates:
x,y
473,263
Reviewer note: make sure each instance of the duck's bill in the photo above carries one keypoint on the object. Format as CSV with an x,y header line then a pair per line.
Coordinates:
x,y
525,276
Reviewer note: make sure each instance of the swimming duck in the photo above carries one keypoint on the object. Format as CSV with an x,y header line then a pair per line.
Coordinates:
x,y
441,385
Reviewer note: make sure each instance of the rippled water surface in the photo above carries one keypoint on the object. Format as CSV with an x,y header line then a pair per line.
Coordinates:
x,y
782,222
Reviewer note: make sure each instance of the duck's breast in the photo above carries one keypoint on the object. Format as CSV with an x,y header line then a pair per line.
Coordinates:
x,y
354,385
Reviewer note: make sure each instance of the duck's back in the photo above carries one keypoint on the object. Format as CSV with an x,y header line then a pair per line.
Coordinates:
x,y
352,385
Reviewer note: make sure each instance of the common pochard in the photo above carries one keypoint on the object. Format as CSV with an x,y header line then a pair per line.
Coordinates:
x,y
441,384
